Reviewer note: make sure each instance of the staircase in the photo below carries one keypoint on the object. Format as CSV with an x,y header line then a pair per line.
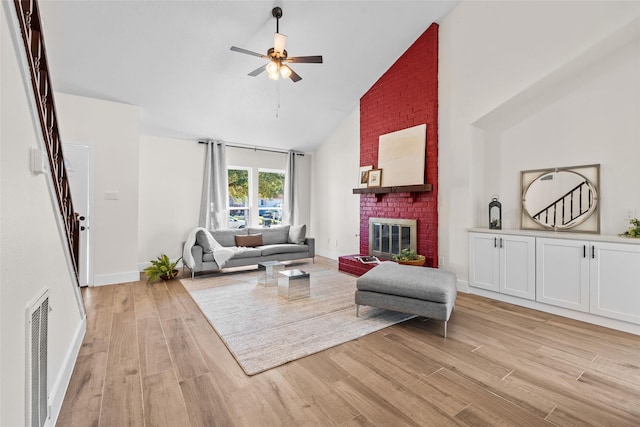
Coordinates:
x,y
31,31
569,207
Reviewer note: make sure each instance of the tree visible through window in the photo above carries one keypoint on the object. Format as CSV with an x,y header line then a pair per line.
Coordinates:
x,y
239,207
270,195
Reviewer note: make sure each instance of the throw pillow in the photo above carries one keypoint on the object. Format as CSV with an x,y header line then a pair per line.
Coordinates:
x,y
249,241
227,238
297,234
206,241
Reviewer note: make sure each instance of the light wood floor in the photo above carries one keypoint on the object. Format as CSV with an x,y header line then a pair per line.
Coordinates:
x,y
150,358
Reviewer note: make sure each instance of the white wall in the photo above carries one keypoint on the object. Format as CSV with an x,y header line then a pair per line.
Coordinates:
x,y
525,85
32,251
112,129
175,167
335,217
171,173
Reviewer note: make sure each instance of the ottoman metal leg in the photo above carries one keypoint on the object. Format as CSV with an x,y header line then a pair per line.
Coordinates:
x,y
357,310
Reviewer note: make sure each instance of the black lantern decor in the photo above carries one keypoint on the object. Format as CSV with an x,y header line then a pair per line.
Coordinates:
x,y
495,214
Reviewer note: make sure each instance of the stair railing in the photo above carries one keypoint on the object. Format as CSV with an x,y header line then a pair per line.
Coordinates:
x,y
565,204
31,31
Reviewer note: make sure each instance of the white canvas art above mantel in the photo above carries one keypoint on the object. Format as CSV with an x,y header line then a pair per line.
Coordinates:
x,y
401,156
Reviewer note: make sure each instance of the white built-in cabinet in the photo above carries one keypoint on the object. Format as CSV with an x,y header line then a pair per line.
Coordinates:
x,y
503,263
614,273
562,273
595,276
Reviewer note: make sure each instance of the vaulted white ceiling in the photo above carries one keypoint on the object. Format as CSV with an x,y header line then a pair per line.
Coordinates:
x,y
172,59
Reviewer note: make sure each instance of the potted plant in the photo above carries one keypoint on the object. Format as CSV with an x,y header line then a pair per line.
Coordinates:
x,y
409,257
161,268
634,229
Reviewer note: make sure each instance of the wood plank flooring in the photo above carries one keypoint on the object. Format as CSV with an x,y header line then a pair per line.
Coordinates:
x,y
150,358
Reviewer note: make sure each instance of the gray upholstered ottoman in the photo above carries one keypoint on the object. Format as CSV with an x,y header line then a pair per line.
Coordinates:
x,y
422,291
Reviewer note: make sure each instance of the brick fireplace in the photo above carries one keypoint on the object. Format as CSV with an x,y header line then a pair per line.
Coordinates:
x,y
405,96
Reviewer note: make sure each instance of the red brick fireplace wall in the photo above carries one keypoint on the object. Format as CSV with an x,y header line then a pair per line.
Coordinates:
x,y
405,96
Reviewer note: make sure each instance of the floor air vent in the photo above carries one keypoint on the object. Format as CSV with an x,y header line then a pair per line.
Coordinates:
x,y
37,331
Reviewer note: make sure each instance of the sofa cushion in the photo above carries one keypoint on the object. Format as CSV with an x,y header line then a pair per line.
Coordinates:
x,y
249,241
227,238
297,233
205,240
282,249
272,235
248,253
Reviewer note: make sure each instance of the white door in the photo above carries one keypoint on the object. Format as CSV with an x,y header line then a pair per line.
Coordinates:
x,y
562,273
615,281
78,162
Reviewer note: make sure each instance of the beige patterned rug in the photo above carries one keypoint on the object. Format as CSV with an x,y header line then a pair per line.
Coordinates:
x,y
263,331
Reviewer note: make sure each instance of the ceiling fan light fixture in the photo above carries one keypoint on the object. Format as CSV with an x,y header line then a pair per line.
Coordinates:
x,y
285,72
272,67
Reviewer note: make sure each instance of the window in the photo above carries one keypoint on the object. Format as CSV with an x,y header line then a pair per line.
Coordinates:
x,y
270,196
248,195
239,204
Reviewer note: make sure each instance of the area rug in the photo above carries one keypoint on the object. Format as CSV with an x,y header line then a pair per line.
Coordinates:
x,y
263,331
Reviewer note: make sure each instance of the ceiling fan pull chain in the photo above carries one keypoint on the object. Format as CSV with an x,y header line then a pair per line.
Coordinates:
x,y
277,99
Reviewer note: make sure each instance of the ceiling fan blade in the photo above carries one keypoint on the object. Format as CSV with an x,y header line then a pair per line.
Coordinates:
x,y
279,40
294,76
248,52
258,71
317,59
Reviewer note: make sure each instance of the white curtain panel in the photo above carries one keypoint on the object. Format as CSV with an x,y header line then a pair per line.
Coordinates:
x,y
213,207
290,206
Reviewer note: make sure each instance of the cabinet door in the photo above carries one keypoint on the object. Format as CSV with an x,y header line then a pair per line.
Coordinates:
x,y
517,266
615,281
562,273
483,261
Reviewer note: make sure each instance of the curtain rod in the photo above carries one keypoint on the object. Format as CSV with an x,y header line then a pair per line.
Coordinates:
x,y
253,147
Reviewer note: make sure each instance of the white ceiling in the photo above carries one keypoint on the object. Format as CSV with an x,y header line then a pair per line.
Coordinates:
x,y
172,59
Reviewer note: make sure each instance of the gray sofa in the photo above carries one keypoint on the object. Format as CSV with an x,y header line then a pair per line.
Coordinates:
x,y
281,243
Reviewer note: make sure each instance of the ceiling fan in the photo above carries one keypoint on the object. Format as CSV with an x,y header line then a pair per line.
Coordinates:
x,y
277,56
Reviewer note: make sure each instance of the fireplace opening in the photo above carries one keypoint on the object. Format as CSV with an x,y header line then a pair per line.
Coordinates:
x,y
388,236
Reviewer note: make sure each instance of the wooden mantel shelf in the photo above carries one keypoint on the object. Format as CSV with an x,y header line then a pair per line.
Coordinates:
x,y
379,191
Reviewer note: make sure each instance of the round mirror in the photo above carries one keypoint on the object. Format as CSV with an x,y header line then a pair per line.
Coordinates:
x,y
560,199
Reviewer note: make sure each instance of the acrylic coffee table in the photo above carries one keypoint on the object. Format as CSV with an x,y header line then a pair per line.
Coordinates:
x,y
268,272
293,284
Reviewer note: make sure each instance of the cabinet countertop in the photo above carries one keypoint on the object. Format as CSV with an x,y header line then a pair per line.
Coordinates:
x,y
560,235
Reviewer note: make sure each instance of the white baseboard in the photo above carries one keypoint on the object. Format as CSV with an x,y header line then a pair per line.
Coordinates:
x,y
463,286
328,254
61,384
112,279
